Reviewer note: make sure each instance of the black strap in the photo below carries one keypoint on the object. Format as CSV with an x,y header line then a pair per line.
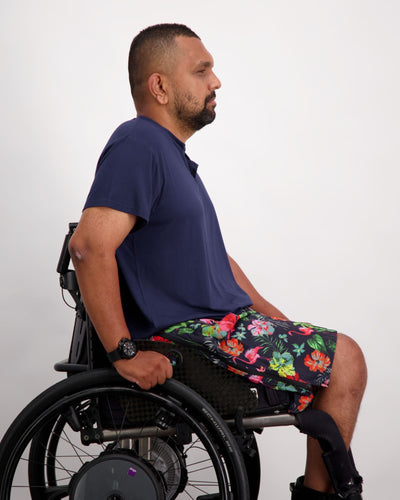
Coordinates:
x,y
338,460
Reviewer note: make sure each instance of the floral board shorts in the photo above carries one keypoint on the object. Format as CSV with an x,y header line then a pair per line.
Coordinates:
x,y
280,354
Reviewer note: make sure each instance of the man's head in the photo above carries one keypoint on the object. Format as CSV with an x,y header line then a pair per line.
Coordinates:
x,y
153,50
171,76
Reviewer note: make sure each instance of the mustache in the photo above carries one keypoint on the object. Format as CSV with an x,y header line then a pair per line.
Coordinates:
x,y
211,96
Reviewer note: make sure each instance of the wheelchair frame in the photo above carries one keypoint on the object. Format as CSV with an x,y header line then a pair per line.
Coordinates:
x,y
222,417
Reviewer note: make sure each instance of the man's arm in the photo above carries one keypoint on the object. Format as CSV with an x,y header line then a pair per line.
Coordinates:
x,y
259,303
100,232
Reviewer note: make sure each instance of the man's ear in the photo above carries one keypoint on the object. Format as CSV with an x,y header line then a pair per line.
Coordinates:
x,y
158,87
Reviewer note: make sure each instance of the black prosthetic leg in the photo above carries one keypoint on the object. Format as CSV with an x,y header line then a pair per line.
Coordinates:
x,y
339,462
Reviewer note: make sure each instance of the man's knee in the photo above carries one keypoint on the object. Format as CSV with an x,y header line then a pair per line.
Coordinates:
x,y
349,362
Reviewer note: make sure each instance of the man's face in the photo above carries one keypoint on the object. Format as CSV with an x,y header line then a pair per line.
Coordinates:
x,y
193,84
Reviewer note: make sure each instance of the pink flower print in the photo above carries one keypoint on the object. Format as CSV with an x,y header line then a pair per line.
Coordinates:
x,y
257,379
258,327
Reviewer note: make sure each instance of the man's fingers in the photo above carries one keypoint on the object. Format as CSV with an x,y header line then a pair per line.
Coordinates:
x,y
146,369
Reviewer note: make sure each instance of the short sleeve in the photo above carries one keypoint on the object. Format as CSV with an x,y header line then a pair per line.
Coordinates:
x,y
127,179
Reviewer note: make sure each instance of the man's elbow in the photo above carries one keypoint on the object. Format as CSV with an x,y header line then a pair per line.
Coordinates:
x,y
78,250
86,251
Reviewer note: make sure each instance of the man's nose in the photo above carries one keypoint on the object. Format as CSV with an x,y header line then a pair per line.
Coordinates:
x,y
216,82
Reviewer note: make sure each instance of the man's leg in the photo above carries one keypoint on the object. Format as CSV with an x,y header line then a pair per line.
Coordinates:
x,y
342,401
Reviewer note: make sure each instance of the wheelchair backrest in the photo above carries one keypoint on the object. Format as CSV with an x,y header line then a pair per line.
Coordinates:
x,y
86,351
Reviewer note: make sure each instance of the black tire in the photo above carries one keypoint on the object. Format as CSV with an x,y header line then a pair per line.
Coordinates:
x,y
100,409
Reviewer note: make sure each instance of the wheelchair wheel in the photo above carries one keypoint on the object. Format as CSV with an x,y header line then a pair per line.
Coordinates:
x,y
96,436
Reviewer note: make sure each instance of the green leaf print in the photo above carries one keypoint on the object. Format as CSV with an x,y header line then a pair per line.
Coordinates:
x,y
184,330
322,329
270,343
175,327
285,387
331,345
316,342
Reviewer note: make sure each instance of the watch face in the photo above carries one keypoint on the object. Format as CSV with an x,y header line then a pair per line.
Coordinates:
x,y
128,349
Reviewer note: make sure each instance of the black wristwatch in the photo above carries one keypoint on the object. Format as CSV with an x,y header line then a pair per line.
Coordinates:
x,y
126,350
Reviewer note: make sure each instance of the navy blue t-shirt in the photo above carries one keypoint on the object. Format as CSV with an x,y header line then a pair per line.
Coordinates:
x,y
173,266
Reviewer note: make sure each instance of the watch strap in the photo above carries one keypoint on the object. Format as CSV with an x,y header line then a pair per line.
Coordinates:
x,y
114,355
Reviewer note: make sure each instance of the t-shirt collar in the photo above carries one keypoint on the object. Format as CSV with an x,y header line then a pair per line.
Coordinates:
x,y
192,166
178,141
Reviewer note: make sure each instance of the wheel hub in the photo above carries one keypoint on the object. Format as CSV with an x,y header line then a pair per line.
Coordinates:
x,y
168,461
117,476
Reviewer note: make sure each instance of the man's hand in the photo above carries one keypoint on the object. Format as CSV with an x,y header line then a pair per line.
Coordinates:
x,y
146,369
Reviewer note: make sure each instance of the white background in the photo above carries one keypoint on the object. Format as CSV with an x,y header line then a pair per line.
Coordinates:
x,y
301,162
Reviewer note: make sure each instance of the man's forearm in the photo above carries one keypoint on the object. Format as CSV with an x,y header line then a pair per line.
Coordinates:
x,y
259,303
99,285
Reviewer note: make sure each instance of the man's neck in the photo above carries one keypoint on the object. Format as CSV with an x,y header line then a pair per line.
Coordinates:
x,y
166,121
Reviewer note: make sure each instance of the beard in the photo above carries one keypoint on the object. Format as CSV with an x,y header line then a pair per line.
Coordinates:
x,y
188,113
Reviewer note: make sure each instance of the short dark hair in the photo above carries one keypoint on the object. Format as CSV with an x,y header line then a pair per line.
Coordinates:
x,y
151,47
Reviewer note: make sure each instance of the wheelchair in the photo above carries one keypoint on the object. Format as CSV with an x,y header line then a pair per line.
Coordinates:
x,y
96,436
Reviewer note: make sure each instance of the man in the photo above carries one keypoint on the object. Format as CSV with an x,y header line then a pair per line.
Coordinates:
x,y
150,258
